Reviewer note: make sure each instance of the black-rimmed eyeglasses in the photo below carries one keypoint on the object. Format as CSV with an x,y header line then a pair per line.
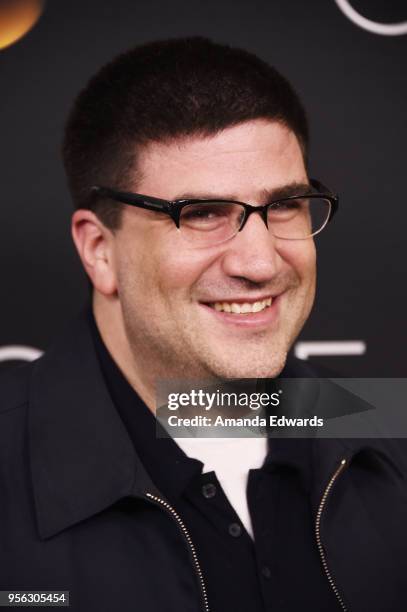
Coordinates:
x,y
210,222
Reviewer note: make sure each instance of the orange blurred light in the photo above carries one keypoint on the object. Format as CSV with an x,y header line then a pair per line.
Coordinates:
x,y
17,17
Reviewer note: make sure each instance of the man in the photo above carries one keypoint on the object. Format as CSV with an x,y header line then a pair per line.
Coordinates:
x,y
194,221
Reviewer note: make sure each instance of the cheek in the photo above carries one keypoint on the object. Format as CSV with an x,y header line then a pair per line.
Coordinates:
x,y
300,256
152,262
181,269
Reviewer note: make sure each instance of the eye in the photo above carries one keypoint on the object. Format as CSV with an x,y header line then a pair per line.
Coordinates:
x,y
211,216
287,205
203,212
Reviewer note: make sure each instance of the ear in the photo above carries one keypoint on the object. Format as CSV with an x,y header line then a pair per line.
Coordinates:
x,y
95,245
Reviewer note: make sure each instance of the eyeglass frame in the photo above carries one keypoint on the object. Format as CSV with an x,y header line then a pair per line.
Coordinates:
x,y
173,208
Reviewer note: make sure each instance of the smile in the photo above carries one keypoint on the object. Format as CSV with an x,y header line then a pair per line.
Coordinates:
x,y
241,307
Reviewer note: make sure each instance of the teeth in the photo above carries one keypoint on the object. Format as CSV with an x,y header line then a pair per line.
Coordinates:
x,y
242,308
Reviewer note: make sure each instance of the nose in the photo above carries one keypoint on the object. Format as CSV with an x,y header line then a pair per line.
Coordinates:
x,y
252,253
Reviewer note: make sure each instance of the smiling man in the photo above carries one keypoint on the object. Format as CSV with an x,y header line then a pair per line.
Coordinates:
x,y
178,302
195,221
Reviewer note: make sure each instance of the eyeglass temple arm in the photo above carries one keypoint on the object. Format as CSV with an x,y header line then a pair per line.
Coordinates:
x,y
134,199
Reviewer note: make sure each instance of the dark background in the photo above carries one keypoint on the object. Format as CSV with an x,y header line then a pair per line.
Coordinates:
x,y
354,87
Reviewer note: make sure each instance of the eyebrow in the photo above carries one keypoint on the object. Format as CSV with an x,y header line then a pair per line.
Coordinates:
x,y
277,193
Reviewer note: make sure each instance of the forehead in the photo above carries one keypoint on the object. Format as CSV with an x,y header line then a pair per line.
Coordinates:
x,y
243,159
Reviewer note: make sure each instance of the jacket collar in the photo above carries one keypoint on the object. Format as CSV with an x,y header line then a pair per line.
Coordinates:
x,y
82,459
318,458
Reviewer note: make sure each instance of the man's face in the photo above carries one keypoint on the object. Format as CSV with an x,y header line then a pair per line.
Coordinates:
x,y
168,287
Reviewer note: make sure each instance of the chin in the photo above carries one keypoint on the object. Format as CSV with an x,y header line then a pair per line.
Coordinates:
x,y
250,368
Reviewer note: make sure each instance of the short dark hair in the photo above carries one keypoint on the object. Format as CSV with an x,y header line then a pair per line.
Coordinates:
x,y
161,91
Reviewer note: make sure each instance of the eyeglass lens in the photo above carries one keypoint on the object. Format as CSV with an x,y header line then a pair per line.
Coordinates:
x,y
214,222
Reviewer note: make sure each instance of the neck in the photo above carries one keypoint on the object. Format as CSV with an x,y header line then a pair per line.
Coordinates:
x,y
109,320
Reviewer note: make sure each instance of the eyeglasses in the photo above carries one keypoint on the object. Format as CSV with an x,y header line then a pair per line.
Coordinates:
x,y
209,222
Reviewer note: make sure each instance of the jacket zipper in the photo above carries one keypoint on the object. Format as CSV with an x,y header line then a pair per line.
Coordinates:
x,y
318,533
184,530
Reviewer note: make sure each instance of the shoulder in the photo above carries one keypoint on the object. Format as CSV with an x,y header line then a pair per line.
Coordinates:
x,y
14,386
14,394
